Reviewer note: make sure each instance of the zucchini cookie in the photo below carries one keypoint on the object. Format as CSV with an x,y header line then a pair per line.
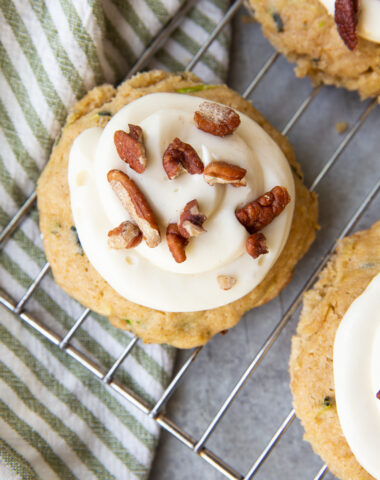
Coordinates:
x,y
173,207
336,43
334,362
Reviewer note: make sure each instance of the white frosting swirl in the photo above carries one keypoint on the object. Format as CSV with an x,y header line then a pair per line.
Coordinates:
x,y
150,276
357,377
369,18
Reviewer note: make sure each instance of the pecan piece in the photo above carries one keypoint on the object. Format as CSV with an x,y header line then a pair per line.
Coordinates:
x,y
137,206
130,147
126,235
346,19
176,242
223,172
180,156
226,282
216,119
191,220
257,214
256,245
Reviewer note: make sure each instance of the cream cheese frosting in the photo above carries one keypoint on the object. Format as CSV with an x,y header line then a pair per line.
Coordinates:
x,y
369,18
150,276
357,377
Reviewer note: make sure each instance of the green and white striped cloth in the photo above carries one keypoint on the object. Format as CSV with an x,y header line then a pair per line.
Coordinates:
x,y
56,420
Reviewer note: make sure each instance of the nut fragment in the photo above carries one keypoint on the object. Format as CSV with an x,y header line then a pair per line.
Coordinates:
x,y
341,127
226,282
216,119
223,172
191,220
180,156
256,245
346,19
257,214
135,203
126,235
176,243
130,147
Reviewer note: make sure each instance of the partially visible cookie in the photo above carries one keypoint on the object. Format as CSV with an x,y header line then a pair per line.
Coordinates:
x,y
307,34
355,263
70,266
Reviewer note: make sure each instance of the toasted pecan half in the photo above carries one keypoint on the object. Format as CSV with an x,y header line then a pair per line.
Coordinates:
x,y
346,19
257,214
223,172
216,119
137,206
130,147
176,242
180,156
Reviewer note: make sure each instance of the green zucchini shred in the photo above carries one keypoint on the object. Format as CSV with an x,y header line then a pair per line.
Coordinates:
x,y
195,88
278,21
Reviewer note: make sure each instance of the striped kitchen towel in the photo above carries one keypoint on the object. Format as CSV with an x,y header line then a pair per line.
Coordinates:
x,y
56,420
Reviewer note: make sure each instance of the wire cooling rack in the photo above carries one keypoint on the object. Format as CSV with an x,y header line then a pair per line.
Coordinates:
x,y
198,445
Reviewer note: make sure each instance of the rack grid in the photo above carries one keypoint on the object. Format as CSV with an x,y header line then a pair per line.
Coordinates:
x,y
198,446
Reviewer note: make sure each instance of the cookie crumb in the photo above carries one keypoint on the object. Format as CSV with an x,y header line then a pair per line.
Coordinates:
x,y
226,282
341,127
247,19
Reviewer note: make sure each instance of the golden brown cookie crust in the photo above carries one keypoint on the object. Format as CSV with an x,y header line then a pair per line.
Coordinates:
x,y
73,272
310,38
346,276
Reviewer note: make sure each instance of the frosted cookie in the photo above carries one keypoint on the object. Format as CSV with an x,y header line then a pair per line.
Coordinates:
x,y
334,363
171,215
336,43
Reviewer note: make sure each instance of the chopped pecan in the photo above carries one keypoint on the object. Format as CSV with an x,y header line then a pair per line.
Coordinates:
x,y
191,220
257,214
346,19
126,235
223,172
256,245
176,242
180,156
378,395
130,147
136,204
226,282
216,119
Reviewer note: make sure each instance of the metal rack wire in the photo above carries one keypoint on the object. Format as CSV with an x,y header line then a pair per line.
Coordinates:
x,y
107,376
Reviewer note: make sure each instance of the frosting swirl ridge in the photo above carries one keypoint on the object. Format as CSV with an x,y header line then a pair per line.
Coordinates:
x,y
150,276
